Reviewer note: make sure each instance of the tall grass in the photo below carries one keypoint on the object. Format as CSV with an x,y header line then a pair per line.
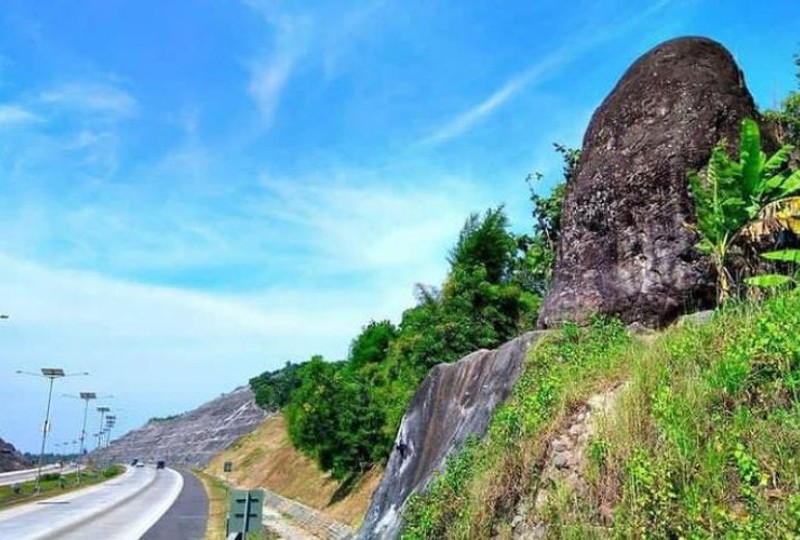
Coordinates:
x,y
704,442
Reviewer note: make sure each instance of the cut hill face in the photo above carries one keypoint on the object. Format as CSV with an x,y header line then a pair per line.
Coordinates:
x,y
455,402
192,438
10,458
266,458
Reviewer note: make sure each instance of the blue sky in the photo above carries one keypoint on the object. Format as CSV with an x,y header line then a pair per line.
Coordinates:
x,y
194,192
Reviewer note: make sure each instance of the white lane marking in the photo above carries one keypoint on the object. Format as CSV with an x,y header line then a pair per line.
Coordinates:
x,y
136,530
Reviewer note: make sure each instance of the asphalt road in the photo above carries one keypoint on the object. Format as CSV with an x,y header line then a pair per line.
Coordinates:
x,y
186,519
120,509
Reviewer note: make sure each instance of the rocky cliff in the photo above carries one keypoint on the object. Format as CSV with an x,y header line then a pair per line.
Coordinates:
x,y
624,249
10,458
192,438
454,402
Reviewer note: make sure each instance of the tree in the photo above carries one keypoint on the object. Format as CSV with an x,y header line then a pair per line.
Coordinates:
x,y
787,119
732,194
372,344
273,389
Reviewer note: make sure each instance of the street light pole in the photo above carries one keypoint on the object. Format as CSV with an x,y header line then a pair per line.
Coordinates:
x,y
51,374
102,411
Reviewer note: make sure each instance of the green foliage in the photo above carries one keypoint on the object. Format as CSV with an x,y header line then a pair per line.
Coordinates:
x,y
372,345
534,270
769,281
273,389
164,418
787,118
485,243
346,416
734,192
333,417
702,443
464,501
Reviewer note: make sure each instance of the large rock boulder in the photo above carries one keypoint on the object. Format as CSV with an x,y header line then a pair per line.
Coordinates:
x,y
454,401
624,248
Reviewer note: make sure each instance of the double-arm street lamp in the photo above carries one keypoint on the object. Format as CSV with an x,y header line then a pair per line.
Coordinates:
x,y
51,374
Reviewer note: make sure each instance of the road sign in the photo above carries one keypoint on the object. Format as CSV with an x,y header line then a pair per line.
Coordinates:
x,y
227,466
245,510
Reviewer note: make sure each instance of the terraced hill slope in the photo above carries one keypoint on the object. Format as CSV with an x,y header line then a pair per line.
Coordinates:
x,y
191,438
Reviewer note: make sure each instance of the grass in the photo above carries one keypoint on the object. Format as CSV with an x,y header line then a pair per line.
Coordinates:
x,y
704,442
217,505
53,484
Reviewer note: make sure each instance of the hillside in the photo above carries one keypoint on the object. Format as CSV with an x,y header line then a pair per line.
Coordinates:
x,y
10,458
692,433
191,438
266,458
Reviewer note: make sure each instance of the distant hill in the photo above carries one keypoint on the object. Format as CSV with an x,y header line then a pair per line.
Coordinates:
x,y
191,438
11,459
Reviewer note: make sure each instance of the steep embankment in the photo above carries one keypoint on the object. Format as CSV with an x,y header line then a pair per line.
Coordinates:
x,y
693,433
266,458
10,458
191,438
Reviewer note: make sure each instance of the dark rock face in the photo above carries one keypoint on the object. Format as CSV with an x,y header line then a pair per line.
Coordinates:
x,y
624,249
192,438
11,459
453,402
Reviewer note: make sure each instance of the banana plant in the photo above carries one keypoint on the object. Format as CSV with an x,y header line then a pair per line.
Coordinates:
x,y
769,281
733,193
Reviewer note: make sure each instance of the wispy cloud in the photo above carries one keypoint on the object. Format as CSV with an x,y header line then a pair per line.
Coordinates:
x,y
551,64
91,97
270,73
365,226
16,115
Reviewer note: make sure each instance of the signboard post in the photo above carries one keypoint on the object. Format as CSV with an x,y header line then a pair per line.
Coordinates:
x,y
245,511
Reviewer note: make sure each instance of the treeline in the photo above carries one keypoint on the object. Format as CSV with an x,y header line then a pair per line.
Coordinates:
x,y
346,414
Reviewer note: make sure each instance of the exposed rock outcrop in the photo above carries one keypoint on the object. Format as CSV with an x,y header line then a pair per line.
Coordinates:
x,y
565,462
11,459
454,401
624,249
192,438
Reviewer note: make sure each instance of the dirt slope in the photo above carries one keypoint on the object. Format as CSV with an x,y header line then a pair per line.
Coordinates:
x,y
266,458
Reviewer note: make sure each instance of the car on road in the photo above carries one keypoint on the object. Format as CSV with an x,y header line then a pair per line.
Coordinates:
x,y
160,464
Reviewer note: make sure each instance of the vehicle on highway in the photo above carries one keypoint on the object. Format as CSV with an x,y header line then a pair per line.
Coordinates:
x,y
160,464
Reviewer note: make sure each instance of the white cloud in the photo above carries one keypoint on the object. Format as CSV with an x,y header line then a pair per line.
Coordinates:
x,y
16,115
92,97
155,348
552,63
270,73
466,120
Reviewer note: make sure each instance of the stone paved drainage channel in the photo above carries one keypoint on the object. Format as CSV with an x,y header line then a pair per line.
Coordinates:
x,y
311,520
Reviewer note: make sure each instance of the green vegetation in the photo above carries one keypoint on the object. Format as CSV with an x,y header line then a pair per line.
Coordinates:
x,y
787,118
732,194
273,389
164,418
345,414
702,443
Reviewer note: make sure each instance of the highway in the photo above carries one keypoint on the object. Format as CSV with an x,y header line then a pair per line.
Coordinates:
x,y
123,508
15,477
